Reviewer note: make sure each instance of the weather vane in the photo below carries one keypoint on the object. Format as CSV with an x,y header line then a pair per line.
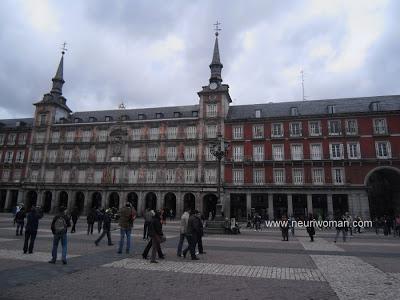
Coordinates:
x,y
216,25
122,106
64,48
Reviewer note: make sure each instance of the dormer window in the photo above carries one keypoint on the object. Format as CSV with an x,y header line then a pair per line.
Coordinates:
x,y
141,116
42,120
374,106
92,119
108,119
124,117
258,113
177,114
294,111
331,109
195,113
159,115
77,120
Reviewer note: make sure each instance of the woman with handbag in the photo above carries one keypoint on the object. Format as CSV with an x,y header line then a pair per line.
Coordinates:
x,y
156,234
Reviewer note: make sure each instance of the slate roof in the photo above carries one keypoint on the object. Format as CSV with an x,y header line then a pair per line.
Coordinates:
x,y
12,122
150,113
314,107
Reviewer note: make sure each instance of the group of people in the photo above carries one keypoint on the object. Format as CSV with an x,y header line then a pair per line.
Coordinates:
x,y
388,225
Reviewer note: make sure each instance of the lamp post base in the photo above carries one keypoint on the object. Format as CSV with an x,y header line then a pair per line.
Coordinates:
x,y
216,226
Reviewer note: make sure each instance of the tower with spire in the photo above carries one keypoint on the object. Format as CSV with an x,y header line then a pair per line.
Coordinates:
x,y
216,66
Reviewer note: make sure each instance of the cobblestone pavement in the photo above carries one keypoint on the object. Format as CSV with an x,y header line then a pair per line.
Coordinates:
x,y
253,265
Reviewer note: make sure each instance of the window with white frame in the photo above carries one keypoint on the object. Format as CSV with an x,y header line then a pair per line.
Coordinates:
x,y
211,131
136,134
98,176
36,156
100,155
191,132
351,127
65,176
211,110
22,139
210,176
353,150
70,136
316,151
258,176
314,128
42,120
383,149
380,126
84,155
297,151
154,133
276,129
190,153
39,137
20,156
190,175
338,176
34,175
55,136
86,135
258,113
152,153
171,153
334,127
278,152
49,175
67,155
133,176
81,176
6,175
258,131
336,151
331,109
2,138
318,175
102,135
172,133
52,156
208,155
295,129
151,175
258,152
237,132
170,176
298,176
237,153
279,176
17,175
294,111
237,176
11,138
9,157
134,154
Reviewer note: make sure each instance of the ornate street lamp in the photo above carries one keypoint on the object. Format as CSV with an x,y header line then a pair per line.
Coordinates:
x,y
219,150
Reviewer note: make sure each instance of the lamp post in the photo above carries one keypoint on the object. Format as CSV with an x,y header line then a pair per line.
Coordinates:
x,y
219,150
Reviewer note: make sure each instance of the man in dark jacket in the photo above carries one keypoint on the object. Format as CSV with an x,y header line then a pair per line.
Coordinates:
x,y
100,218
59,228
199,240
20,220
74,217
192,234
156,233
148,215
32,224
91,217
106,228
127,217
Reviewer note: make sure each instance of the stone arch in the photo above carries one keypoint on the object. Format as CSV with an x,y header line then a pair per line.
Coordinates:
x,y
63,199
31,199
189,201
47,201
96,200
210,205
133,199
170,202
113,200
80,201
151,200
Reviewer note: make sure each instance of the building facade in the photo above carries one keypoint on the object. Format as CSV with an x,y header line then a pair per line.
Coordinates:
x,y
322,157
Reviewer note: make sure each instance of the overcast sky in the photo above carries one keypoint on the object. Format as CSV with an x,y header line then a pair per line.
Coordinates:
x,y
156,53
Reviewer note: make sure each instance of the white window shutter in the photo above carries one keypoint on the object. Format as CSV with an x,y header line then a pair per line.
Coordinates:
x,y
389,150
341,151
358,150
376,149
330,150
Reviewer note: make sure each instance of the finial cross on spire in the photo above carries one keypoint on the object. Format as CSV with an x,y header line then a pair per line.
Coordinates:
x,y
216,25
64,48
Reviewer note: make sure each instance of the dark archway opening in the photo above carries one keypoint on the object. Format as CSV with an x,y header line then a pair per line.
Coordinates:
x,y
340,204
170,203
47,201
132,198
80,201
31,199
151,201
238,207
96,200
3,195
280,206
383,187
63,199
320,206
259,205
299,206
189,201
113,201
210,206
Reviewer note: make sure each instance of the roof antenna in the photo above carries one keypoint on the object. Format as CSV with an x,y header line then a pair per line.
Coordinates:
x,y
302,84
64,48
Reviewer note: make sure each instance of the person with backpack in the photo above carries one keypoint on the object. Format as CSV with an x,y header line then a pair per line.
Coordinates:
x,y
106,228
59,227
127,216
32,224
91,217
20,220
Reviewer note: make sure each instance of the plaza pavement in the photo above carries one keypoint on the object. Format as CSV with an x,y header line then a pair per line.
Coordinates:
x,y
252,265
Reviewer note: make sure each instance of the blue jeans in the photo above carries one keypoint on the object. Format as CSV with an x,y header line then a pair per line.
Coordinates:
x,y
123,232
180,244
56,240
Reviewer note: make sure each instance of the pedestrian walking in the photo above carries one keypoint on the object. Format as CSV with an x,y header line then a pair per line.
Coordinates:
x,y
59,227
99,218
74,218
32,224
387,225
91,217
183,231
292,223
20,220
341,228
200,234
156,234
285,229
397,225
148,216
106,228
126,219
349,219
191,235
310,228
164,216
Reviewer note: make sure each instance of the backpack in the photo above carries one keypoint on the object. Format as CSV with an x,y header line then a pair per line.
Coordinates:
x,y
60,226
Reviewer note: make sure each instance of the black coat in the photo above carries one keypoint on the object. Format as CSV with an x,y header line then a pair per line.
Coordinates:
x,y
106,222
155,227
194,225
32,221
20,216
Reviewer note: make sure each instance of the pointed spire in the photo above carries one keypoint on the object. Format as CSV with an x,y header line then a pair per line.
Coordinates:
x,y
58,79
216,66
